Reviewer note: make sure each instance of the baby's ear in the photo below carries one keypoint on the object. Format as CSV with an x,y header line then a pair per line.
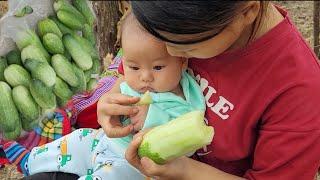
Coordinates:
x,y
184,63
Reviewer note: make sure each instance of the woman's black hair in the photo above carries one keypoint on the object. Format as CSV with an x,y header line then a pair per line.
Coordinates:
x,y
205,18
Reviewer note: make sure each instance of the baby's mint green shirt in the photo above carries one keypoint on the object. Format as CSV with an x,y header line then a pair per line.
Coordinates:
x,y
166,106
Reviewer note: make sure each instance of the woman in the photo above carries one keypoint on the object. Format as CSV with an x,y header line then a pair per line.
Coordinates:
x,y
261,84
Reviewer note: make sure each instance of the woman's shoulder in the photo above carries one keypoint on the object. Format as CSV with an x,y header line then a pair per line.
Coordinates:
x,y
280,51
280,42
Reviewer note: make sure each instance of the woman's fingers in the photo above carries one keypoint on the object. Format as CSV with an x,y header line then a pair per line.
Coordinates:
x,y
132,153
110,107
153,169
116,104
116,132
113,128
141,133
145,165
118,98
117,110
109,120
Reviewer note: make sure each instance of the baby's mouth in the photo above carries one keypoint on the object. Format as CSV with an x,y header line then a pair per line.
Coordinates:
x,y
145,89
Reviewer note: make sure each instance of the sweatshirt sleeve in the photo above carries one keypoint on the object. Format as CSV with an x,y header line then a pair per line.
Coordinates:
x,y
288,144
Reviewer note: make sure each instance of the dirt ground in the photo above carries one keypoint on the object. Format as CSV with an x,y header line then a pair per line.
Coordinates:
x,y
301,13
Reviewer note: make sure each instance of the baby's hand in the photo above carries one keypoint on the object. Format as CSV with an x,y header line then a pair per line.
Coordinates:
x,y
137,120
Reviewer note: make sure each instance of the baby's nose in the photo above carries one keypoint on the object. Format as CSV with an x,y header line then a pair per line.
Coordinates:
x,y
146,76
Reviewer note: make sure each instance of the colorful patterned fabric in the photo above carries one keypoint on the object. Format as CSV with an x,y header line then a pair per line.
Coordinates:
x,y
85,100
51,127
17,155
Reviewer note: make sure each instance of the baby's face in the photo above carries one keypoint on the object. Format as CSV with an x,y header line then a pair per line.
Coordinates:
x,y
148,66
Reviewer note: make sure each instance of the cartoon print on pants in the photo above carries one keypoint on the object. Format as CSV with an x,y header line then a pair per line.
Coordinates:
x,y
94,156
63,157
84,133
40,150
89,171
89,175
95,140
94,144
107,165
92,177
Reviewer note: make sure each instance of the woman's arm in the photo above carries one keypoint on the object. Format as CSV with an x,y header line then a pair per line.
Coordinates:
x,y
203,171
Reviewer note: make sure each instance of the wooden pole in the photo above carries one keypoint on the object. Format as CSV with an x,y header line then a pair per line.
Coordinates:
x,y
3,7
108,15
316,28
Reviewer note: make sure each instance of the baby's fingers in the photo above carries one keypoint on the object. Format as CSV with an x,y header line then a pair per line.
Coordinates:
x,y
114,131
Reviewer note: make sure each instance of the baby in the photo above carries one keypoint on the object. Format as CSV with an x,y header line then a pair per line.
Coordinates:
x,y
147,66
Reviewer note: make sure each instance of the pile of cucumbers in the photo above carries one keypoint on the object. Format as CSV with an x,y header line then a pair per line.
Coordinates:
x,y
50,65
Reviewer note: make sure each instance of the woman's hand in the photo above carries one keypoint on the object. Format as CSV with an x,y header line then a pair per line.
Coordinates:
x,y
138,119
110,106
172,170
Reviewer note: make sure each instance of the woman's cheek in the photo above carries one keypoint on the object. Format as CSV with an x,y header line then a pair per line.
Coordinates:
x,y
176,53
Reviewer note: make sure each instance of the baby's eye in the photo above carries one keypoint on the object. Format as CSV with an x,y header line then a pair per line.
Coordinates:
x,y
158,67
134,68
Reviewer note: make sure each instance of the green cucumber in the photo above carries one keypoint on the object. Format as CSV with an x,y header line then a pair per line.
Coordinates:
x,y
176,138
